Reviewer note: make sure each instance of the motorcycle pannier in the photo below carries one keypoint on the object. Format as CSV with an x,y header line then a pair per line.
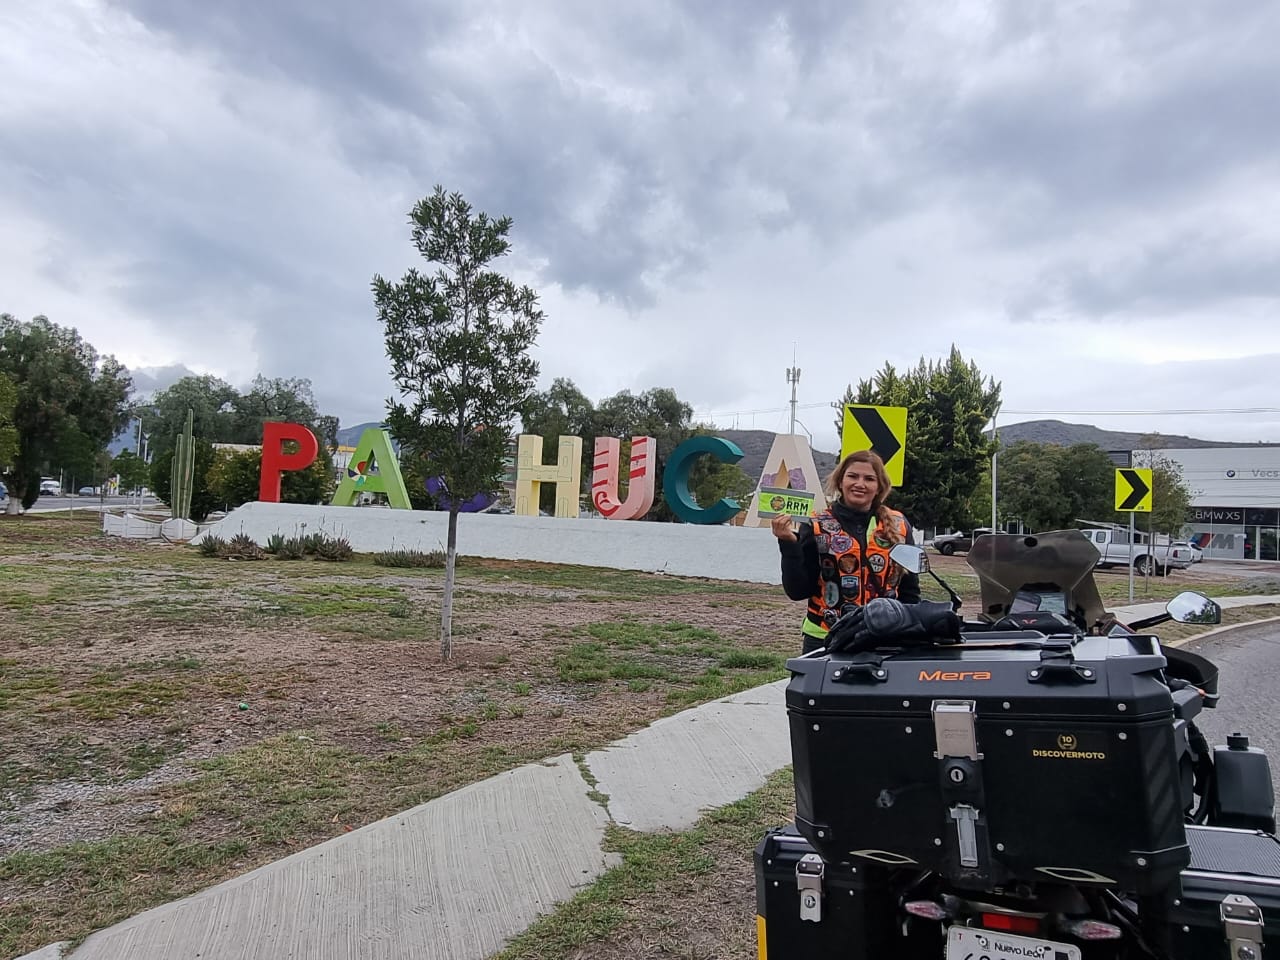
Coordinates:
x,y
806,909
1010,757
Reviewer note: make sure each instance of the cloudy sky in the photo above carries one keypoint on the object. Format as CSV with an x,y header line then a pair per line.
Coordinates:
x,y
1084,197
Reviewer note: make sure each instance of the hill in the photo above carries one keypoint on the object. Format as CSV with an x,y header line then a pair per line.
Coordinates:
x,y
755,445
1066,434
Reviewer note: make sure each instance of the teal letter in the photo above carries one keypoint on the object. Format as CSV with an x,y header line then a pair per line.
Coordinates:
x,y
675,480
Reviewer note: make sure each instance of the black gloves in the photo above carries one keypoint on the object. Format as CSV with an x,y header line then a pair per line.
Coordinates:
x,y
888,622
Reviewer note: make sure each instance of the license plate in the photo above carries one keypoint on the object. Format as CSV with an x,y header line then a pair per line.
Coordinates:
x,y
968,943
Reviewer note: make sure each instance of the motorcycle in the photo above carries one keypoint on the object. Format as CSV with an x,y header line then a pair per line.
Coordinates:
x,y
1029,783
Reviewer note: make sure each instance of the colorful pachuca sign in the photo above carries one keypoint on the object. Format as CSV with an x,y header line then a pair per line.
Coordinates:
x,y
375,468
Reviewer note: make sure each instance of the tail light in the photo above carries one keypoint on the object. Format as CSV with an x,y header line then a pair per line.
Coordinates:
x,y
1011,922
1092,929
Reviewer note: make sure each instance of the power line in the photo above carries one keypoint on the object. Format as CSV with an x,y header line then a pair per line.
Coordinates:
x,y
1180,412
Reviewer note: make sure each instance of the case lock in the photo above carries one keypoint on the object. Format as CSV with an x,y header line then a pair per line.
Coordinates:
x,y
809,872
1242,923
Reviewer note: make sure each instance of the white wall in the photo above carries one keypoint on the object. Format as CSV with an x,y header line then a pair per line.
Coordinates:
x,y
718,552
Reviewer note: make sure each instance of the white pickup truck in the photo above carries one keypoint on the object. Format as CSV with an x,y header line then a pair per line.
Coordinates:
x,y
1113,547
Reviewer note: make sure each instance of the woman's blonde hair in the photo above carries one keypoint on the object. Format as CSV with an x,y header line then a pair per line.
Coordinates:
x,y
884,487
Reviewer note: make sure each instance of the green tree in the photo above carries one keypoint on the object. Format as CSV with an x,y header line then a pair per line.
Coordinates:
x,y
1029,486
1170,495
131,470
458,341
233,478
208,398
284,399
8,432
1050,487
70,401
949,403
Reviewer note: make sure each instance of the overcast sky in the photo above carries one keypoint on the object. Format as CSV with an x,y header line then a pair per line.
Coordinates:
x,y
1084,197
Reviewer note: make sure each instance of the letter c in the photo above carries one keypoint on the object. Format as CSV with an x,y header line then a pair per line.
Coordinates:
x,y
675,480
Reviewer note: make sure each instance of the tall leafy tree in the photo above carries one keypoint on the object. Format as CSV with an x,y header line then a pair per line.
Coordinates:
x,y
8,432
1051,487
208,398
70,401
949,403
284,399
458,340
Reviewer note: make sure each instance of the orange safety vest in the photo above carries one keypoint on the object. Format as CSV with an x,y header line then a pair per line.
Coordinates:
x,y
850,574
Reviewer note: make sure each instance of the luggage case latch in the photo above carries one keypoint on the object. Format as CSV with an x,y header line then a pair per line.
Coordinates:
x,y
954,729
1242,923
809,873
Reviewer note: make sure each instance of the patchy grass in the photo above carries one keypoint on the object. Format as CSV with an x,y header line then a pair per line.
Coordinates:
x,y
207,717
687,894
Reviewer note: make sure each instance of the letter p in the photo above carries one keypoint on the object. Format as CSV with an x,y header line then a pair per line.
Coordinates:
x,y
275,461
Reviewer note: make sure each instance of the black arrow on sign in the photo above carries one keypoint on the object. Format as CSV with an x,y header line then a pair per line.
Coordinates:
x,y
883,443
1139,492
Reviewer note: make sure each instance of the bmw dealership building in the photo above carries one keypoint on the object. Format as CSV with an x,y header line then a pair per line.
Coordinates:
x,y
1235,499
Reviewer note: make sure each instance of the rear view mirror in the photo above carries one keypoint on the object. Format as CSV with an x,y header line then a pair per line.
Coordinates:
x,y
1190,607
910,557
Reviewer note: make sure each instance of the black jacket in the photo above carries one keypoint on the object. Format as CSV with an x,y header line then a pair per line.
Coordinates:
x,y
800,573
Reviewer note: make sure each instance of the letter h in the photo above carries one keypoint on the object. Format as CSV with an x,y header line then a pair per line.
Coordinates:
x,y
532,473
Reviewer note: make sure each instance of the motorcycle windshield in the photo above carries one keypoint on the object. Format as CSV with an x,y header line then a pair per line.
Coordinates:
x,y
1062,559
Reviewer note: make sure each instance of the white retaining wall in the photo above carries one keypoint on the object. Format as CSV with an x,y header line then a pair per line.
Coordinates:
x,y
717,552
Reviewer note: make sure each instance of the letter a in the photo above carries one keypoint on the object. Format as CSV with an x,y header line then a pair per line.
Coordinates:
x,y
531,474
641,484
373,468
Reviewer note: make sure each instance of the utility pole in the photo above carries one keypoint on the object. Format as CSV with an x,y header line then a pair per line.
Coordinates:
x,y
793,378
995,455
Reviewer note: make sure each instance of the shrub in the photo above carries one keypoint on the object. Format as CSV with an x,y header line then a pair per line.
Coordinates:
x,y
336,549
211,546
409,558
294,548
274,543
312,542
241,547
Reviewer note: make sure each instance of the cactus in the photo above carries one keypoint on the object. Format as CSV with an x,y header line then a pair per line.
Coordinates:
x,y
183,475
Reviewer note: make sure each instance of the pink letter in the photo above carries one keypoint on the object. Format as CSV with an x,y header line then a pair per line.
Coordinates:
x,y
604,478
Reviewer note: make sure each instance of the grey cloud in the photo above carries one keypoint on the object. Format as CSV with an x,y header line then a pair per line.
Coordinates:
x,y
1178,274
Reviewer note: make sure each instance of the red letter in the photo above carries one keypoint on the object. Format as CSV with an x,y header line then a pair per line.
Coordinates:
x,y
275,460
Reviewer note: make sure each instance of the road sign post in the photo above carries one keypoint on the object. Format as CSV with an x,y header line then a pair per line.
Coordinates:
x,y
1133,495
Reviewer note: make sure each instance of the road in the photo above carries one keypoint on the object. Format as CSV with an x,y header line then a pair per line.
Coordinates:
x,y
1248,660
50,504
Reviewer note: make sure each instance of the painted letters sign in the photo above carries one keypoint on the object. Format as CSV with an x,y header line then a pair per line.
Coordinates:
x,y
374,468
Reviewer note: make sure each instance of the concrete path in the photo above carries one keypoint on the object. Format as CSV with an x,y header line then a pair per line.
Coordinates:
x,y
456,878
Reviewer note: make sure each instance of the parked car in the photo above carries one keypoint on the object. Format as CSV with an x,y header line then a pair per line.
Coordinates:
x,y
50,488
1114,550
949,543
1197,554
4,492
89,491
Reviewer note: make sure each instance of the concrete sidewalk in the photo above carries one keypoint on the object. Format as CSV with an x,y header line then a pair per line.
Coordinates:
x,y
457,877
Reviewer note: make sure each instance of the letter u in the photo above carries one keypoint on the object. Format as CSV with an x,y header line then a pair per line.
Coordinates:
x,y
642,480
